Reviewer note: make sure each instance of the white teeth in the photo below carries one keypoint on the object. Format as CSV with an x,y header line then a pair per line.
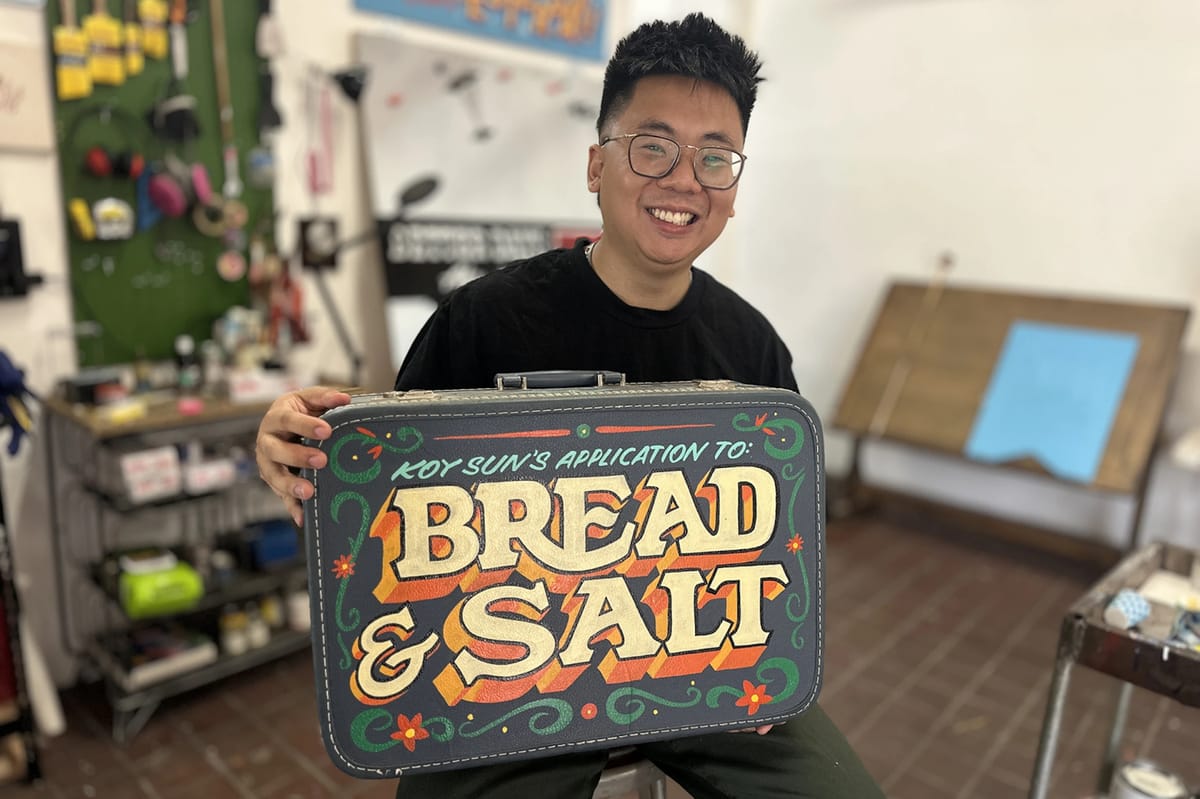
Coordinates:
x,y
674,217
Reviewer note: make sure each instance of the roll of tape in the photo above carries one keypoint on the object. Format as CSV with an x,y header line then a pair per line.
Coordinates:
x,y
1141,779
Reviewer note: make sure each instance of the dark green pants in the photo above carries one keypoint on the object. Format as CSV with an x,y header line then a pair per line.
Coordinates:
x,y
807,758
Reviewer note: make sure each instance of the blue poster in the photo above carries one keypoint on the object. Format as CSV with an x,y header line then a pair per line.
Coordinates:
x,y
568,27
1053,396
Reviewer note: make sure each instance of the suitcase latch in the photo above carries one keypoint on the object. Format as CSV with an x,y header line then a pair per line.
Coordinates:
x,y
416,394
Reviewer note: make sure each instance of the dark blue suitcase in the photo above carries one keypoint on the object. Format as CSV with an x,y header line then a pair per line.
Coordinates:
x,y
504,573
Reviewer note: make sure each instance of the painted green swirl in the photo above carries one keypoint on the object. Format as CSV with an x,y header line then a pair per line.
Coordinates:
x,y
798,604
744,424
547,717
795,612
361,729
348,622
407,439
446,732
634,697
787,668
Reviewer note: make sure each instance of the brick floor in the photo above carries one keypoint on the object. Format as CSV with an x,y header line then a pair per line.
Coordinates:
x,y
939,654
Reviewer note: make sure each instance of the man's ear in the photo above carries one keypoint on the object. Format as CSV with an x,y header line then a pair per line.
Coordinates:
x,y
595,166
732,213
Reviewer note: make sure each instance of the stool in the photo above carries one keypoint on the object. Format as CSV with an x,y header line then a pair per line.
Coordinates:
x,y
627,772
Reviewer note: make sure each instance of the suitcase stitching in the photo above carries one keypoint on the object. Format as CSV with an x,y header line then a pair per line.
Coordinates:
x,y
814,428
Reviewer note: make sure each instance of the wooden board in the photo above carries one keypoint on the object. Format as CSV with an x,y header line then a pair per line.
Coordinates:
x,y
952,351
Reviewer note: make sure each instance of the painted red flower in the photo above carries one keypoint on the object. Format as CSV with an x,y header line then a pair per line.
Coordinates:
x,y
752,697
795,544
343,567
409,731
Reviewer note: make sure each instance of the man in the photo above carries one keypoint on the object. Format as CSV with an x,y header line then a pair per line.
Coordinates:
x,y
673,118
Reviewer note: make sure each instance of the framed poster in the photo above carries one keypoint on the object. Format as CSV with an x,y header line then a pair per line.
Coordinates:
x,y
573,28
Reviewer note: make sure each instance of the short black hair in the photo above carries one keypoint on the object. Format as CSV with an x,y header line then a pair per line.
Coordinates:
x,y
693,47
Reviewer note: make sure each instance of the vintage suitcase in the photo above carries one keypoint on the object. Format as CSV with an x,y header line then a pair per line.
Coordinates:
x,y
504,573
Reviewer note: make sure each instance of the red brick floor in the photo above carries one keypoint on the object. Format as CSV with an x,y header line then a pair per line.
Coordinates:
x,y
939,655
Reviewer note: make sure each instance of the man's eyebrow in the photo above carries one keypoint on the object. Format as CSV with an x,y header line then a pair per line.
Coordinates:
x,y
659,126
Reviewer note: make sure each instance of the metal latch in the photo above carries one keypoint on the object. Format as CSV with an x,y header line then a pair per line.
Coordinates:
x,y
415,394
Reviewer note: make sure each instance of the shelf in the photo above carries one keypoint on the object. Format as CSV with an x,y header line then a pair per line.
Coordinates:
x,y
121,504
245,585
162,415
1130,655
88,506
282,643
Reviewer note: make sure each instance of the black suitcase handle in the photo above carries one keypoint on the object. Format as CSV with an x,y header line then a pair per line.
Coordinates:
x,y
559,378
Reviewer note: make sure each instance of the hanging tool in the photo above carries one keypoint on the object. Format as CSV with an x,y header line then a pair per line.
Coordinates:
x,y
319,113
231,264
260,161
286,311
179,42
135,58
107,61
233,183
153,15
71,72
268,43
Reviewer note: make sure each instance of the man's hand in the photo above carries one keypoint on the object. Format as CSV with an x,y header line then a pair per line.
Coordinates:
x,y
290,418
763,730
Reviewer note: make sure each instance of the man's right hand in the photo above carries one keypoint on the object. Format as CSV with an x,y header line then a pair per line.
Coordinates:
x,y
290,418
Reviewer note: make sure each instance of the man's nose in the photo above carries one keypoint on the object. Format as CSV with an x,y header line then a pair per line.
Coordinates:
x,y
682,177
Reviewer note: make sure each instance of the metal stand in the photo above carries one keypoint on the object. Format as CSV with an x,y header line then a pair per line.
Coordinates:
x,y
1068,649
1126,655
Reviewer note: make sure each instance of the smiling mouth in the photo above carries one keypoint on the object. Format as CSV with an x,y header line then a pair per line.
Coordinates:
x,y
679,218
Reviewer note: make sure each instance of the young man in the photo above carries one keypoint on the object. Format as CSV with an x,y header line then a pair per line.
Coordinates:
x,y
673,118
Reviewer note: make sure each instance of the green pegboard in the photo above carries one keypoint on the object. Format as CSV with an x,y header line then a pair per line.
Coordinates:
x,y
132,298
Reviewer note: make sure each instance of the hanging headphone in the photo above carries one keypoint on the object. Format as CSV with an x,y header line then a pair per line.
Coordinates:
x,y
102,137
106,159
179,186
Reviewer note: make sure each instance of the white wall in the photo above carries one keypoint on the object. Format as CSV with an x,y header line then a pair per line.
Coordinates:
x,y
1049,143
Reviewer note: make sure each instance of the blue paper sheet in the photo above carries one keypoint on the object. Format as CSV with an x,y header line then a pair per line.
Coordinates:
x,y
1053,396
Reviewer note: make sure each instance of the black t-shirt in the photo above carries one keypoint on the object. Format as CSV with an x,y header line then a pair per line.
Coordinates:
x,y
552,311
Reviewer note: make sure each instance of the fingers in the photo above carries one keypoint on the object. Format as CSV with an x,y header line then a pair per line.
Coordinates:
x,y
318,399
295,510
763,730
292,417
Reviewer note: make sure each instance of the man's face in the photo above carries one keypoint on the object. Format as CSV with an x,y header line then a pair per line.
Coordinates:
x,y
643,216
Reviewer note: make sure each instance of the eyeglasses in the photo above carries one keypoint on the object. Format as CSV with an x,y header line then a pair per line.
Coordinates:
x,y
655,156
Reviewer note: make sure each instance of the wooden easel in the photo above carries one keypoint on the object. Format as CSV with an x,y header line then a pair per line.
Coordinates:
x,y
926,365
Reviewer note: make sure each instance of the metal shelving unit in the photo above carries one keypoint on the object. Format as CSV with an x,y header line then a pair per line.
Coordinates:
x,y
91,521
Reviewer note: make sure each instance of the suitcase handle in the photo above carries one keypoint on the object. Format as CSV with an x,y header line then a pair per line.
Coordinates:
x,y
559,378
